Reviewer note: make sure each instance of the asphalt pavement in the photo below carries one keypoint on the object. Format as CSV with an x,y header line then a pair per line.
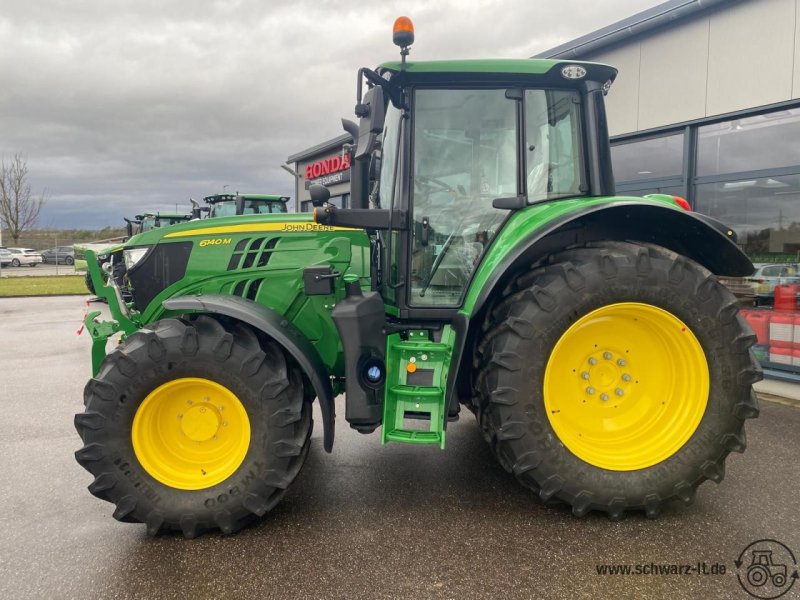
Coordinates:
x,y
364,522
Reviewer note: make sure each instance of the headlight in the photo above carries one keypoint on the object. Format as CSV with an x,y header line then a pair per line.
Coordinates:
x,y
134,255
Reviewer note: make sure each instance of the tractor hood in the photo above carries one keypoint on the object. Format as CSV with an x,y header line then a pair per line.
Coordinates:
x,y
225,225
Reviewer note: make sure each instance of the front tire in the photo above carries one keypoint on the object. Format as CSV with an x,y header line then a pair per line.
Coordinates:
x,y
193,426
15,263
69,260
616,377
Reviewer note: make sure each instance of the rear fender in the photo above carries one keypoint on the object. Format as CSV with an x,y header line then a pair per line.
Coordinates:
x,y
698,237
282,331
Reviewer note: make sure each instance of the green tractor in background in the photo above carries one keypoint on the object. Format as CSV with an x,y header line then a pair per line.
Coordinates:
x,y
486,265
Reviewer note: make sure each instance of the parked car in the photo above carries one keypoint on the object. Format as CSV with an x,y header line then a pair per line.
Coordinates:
x,y
24,257
767,276
59,254
5,257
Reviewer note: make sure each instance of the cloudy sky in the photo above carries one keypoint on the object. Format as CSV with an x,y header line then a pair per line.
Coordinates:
x,y
125,105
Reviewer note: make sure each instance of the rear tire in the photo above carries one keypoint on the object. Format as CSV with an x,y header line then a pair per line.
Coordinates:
x,y
15,263
69,260
268,387
537,313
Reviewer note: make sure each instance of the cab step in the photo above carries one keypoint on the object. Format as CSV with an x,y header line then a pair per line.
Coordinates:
x,y
414,398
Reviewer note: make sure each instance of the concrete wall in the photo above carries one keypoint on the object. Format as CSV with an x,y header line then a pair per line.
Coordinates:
x,y
741,56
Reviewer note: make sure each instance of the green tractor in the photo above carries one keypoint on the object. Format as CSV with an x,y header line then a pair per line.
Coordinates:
x,y
228,205
486,265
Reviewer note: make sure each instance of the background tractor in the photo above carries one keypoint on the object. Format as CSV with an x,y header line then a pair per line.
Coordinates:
x,y
486,265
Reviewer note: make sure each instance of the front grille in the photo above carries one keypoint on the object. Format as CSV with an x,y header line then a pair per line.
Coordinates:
x,y
164,265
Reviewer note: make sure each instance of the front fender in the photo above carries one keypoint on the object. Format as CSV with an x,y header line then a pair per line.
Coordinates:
x,y
282,331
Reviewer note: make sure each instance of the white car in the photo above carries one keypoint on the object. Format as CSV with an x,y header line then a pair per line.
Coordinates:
x,y
24,256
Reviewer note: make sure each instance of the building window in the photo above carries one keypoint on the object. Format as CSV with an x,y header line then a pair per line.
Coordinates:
x,y
766,141
654,158
764,212
306,206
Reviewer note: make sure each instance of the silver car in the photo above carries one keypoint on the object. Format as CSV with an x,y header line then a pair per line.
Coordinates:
x,y
24,256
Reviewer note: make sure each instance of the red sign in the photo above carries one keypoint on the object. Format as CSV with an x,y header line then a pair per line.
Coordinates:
x,y
327,166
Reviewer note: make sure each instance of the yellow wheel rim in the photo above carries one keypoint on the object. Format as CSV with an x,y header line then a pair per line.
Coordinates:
x,y
191,433
626,386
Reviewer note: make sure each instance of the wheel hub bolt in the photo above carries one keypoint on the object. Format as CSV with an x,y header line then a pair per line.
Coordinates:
x,y
621,362
590,390
607,355
585,375
626,377
604,397
619,392
593,361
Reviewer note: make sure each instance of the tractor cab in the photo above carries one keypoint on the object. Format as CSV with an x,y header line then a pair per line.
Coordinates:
x,y
228,205
454,147
446,152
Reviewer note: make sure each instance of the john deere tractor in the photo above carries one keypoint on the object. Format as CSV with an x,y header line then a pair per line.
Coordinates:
x,y
486,265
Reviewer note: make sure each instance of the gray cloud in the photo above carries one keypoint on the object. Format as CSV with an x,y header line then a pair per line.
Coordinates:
x,y
122,106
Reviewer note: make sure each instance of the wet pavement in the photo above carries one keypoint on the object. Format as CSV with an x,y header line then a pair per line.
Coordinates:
x,y
366,521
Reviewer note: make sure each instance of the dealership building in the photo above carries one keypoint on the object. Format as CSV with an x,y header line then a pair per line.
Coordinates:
x,y
706,106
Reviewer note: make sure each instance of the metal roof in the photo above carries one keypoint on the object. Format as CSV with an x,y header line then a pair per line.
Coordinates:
x,y
648,21
331,144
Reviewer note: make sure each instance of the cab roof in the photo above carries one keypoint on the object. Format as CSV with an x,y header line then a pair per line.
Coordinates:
x,y
164,215
499,67
264,197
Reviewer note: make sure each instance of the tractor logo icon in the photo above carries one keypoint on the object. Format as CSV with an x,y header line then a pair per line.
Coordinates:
x,y
766,569
762,570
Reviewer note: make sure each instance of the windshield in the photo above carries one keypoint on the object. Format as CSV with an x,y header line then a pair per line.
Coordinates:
x,y
148,223
223,209
260,207
466,154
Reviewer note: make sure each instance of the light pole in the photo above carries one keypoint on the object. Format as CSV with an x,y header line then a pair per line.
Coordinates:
x,y
297,178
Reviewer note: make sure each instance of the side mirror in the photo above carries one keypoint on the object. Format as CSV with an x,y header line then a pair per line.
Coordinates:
x,y
319,194
239,205
128,228
372,114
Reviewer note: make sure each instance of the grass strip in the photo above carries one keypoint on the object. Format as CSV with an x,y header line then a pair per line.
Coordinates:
x,y
56,285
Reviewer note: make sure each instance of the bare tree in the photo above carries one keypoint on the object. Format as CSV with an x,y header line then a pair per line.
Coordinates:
x,y
19,211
